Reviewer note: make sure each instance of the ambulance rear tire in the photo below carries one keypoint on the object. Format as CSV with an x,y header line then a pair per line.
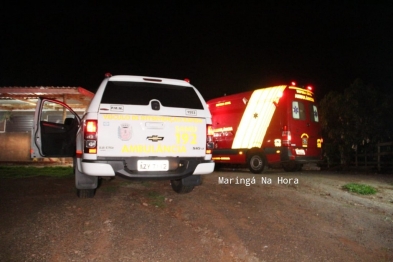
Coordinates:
x,y
178,187
256,163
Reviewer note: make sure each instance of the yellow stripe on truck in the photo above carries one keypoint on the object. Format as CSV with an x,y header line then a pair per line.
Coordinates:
x,y
257,116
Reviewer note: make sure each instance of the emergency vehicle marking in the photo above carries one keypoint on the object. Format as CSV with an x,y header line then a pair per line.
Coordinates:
x,y
304,97
222,129
296,109
223,103
152,118
304,138
184,135
186,138
303,94
167,119
116,117
252,130
124,132
186,129
157,149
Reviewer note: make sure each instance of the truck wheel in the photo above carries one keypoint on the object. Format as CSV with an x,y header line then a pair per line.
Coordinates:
x,y
256,163
85,185
85,193
292,167
178,187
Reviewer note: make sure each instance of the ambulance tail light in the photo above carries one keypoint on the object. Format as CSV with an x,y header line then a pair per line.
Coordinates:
x,y
90,136
209,139
286,136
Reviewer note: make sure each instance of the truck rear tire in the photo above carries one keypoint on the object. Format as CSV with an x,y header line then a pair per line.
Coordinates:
x,y
256,163
179,187
85,193
85,185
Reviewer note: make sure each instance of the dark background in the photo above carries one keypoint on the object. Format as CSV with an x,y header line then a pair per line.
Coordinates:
x,y
221,48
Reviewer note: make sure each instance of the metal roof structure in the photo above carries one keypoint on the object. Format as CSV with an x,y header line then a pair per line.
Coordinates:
x,y
25,98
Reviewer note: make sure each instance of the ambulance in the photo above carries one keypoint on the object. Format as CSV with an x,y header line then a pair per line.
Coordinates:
x,y
276,126
136,127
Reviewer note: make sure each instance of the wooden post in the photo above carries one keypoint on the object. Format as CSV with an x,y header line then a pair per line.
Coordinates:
x,y
62,160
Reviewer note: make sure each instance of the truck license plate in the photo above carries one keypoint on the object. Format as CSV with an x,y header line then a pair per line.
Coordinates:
x,y
300,152
153,165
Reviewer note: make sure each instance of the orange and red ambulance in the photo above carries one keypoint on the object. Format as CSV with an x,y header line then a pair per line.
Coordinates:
x,y
273,126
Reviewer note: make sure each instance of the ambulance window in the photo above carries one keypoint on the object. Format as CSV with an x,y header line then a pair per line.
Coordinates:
x,y
298,110
314,113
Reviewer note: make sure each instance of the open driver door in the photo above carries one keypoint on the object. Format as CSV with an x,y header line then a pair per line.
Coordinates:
x,y
54,129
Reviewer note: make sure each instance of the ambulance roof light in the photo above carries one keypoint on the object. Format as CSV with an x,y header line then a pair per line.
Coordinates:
x,y
293,83
107,75
187,80
309,88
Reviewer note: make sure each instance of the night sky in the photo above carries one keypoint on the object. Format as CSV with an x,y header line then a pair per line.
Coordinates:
x,y
220,48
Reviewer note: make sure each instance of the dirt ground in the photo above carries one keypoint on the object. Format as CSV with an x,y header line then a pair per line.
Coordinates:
x,y
309,219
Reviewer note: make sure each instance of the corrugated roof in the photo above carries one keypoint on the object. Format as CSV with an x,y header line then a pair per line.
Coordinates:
x,y
25,98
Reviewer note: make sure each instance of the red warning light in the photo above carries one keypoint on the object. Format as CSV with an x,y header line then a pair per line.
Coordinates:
x,y
108,75
187,80
309,88
293,83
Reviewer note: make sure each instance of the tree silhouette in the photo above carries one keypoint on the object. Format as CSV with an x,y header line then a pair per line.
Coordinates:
x,y
356,118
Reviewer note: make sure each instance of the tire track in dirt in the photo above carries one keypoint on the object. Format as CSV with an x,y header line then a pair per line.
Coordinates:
x,y
218,232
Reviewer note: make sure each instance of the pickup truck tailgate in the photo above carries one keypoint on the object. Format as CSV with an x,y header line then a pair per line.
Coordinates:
x,y
127,135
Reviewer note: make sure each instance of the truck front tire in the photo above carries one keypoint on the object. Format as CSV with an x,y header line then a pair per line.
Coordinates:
x,y
256,163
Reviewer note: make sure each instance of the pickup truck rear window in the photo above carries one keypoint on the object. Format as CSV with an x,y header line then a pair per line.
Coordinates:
x,y
136,93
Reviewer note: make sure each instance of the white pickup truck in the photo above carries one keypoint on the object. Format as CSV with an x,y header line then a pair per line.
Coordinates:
x,y
135,127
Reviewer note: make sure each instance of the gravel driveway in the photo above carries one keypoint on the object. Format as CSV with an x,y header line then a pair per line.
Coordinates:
x,y
308,218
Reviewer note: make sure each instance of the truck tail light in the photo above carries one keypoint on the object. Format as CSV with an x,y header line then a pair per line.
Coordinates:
x,y
286,136
90,136
209,139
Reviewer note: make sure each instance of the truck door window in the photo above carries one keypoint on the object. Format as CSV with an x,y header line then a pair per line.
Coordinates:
x,y
298,110
314,113
58,128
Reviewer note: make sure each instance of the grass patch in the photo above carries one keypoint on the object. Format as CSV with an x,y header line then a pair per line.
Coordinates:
x,y
156,199
28,171
360,189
